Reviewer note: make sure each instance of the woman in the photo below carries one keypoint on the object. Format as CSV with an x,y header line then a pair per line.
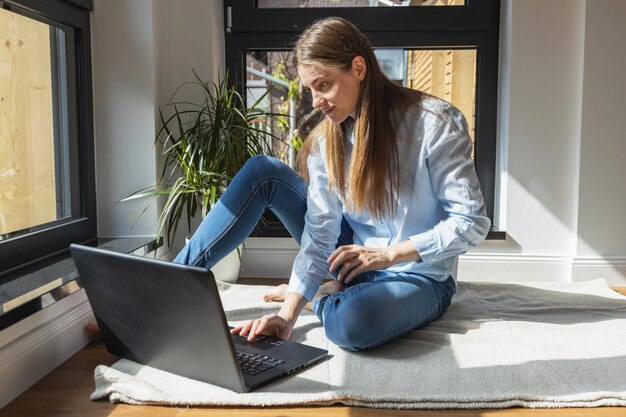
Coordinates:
x,y
386,201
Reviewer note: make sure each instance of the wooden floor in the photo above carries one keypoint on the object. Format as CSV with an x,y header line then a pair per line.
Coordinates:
x,y
65,392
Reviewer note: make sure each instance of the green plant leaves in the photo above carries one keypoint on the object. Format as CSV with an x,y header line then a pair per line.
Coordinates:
x,y
205,144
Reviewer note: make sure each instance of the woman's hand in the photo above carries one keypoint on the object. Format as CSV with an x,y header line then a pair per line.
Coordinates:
x,y
355,259
280,325
271,324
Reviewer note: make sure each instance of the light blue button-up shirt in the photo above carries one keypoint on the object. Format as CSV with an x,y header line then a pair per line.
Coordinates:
x,y
440,205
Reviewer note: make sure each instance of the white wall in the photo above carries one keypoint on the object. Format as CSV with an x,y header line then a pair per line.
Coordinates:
x,y
544,109
602,190
602,201
142,51
190,35
124,100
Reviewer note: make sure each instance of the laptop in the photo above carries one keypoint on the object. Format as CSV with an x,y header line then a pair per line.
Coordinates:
x,y
169,316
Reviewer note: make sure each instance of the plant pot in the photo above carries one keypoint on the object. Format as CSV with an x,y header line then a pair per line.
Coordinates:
x,y
228,268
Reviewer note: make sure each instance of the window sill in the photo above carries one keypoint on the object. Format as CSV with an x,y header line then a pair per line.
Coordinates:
x,y
496,234
29,289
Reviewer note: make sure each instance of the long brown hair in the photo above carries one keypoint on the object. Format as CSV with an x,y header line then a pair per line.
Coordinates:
x,y
373,177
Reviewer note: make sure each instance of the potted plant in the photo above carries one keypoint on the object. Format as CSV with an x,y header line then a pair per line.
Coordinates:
x,y
205,144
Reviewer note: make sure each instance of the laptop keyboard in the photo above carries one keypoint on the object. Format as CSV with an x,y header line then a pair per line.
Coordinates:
x,y
255,364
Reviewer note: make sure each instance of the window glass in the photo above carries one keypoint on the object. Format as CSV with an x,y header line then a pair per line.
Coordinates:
x,y
275,4
447,74
34,169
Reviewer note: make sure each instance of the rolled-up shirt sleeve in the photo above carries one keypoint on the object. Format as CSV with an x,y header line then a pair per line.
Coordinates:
x,y
453,177
322,227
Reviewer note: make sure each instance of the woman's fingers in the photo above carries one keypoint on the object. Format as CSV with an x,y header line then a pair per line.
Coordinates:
x,y
341,251
271,324
351,270
354,259
252,333
345,270
344,256
333,255
237,329
255,327
242,329
354,272
259,329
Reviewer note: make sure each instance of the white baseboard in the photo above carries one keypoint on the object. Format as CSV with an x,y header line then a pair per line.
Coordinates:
x,y
273,258
502,267
611,268
33,347
268,257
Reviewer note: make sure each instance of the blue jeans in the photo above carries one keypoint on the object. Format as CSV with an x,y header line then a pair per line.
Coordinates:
x,y
375,307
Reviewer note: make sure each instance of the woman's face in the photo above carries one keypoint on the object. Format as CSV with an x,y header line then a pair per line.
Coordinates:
x,y
334,91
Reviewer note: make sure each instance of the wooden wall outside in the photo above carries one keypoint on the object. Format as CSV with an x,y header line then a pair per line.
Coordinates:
x,y
27,171
447,74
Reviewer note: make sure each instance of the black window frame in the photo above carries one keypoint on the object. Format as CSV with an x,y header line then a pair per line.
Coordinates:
x,y
475,25
42,241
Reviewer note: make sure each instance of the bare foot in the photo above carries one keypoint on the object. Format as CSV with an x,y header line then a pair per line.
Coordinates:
x,y
276,294
92,329
328,288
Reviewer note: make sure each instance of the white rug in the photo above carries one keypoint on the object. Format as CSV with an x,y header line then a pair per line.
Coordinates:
x,y
499,345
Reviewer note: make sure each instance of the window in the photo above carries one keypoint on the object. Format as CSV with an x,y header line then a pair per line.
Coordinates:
x,y
47,192
448,74
275,4
450,51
